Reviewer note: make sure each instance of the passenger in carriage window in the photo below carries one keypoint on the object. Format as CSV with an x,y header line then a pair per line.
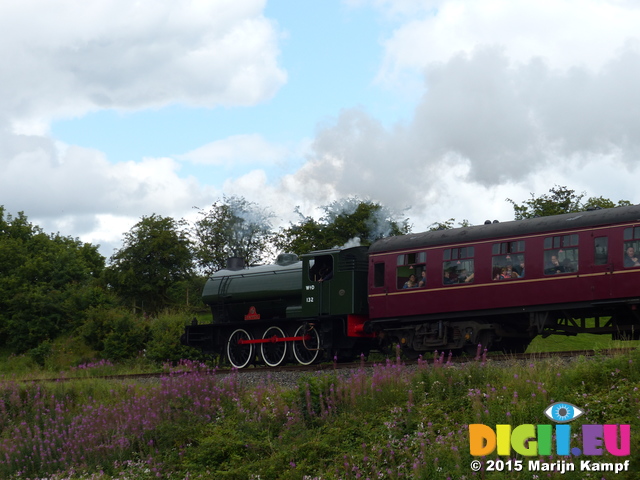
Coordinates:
x,y
567,265
466,277
630,258
504,275
462,277
449,279
411,283
553,266
521,273
510,272
497,273
423,280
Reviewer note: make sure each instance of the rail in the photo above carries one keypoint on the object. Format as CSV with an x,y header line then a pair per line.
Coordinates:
x,y
439,359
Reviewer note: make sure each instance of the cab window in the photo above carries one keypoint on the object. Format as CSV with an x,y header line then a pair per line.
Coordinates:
x,y
321,268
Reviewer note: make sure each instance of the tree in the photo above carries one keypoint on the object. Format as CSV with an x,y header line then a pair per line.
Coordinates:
x,y
47,283
233,227
561,200
601,202
447,225
156,254
343,221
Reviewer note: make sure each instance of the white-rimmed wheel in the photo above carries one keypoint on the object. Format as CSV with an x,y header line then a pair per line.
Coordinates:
x,y
306,350
273,351
240,354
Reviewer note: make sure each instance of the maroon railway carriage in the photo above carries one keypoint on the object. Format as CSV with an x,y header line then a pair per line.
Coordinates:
x,y
501,284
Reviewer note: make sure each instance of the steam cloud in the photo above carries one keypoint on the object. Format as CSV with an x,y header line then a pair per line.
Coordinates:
x,y
490,121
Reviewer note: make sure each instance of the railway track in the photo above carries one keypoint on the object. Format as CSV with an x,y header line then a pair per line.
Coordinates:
x,y
439,360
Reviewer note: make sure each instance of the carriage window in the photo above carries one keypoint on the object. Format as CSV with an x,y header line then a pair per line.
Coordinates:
x,y
561,254
631,247
631,233
601,250
378,275
411,270
457,266
508,260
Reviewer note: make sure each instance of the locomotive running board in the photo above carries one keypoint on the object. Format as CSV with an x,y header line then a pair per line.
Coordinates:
x,y
273,339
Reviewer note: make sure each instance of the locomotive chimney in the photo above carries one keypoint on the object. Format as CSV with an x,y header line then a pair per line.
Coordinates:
x,y
235,263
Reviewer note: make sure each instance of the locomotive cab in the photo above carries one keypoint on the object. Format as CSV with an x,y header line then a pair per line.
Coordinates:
x,y
335,297
334,282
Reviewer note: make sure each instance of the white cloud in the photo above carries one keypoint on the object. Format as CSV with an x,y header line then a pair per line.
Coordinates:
x,y
564,33
486,128
274,196
77,192
237,150
70,57
513,97
82,181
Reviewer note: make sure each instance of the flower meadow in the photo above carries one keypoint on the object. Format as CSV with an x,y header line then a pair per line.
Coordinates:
x,y
387,422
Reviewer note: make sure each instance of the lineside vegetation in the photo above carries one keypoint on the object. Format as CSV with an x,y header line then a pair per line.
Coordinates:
x,y
390,422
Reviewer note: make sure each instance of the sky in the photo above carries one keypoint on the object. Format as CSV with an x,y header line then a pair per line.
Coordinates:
x,y
111,110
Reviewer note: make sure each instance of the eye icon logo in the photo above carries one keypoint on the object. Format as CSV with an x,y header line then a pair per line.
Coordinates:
x,y
562,412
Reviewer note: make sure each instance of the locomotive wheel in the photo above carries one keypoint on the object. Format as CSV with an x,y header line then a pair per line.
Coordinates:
x,y
306,351
239,355
273,353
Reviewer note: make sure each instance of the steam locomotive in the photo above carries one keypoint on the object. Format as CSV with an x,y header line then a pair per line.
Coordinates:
x,y
497,284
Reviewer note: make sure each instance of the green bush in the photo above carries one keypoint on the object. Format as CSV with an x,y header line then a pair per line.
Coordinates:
x,y
69,351
41,352
17,365
164,342
115,333
127,339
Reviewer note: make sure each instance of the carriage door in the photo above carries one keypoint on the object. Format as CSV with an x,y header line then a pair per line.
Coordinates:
x,y
602,264
317,285
378,290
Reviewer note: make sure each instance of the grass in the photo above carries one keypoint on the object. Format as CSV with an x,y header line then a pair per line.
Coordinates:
x,y
390,422
582,341
393,422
